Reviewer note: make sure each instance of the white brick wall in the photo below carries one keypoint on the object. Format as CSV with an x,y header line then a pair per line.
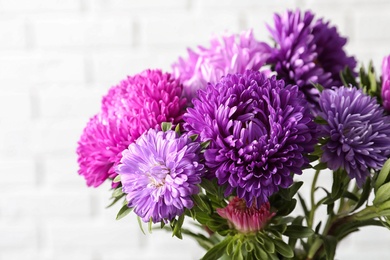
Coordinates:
x,y
57,58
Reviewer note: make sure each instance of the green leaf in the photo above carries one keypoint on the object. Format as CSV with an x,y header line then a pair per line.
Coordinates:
x,y
347,77
218,250
140,225
383,176
177,227
382,194
201,204
269,246
116,200
289,193
304,206
320,121
165,126
238,253
177,129
282,248
298,231
210,186
150,224
117,179
330,244
364,195
193,137
117,193
204,145
259,252
125,210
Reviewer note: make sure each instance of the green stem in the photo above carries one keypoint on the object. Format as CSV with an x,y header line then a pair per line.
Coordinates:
x,y
310,221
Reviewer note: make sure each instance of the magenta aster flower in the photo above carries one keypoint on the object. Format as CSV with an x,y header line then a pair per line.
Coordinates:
x,y
357,133
259,131
160,172
99,148
146,99
228,54
137,104
386,82
246,219
308,51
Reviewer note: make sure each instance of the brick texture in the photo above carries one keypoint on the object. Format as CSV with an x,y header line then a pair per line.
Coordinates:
x,y
57,59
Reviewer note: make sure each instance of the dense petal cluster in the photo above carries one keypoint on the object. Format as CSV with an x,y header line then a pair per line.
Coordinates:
x,y
386,82
137,104
227,54
145,99
160,172
357,132
259,131
246,219
308,51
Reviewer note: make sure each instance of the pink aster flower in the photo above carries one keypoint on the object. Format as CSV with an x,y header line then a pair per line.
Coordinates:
x,y
386,82
227,54
246,219
129,109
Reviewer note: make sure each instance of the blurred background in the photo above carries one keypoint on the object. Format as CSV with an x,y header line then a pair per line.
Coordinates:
x,y
58,57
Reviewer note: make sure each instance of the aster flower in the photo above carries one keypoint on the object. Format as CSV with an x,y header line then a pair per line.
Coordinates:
x,y
259,131
386,82
147,99
308,51
137,104
246,219
99,147
227,54
159,173
357,132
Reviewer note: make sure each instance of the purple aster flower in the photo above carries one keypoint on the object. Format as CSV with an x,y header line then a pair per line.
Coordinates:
x,y
228,54
160,172
357,133
259,131
386,82
246,219
308,51
137,104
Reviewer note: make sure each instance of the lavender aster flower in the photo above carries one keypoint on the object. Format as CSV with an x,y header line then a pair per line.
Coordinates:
x,y
386,82
259,131
358,133
308,51
225,55
137,104
160,172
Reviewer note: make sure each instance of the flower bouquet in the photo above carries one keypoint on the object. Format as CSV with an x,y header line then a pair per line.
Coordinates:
x,y
220,139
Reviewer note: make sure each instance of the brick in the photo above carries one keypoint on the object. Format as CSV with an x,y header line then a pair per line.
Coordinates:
x,y
108,69
191,30
61,172
369,26
15,141
46,204
17,236
69,101
16,101
39,5
83,32
133,6
13,34
56,136
42,68
20,172
93,235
